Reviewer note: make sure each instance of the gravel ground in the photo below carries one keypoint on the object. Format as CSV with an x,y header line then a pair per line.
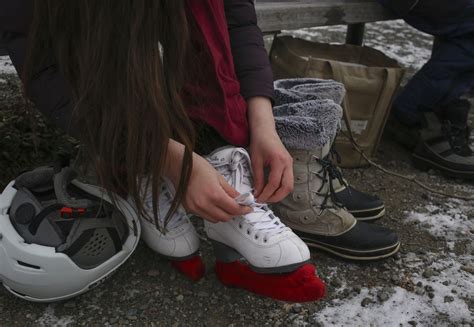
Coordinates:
x,y
429,282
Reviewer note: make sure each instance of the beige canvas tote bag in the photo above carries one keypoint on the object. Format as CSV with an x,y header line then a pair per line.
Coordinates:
x,y
371,80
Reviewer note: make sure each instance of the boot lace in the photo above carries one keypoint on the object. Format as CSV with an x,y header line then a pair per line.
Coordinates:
x,y
262,222
327,174
458,138
164,204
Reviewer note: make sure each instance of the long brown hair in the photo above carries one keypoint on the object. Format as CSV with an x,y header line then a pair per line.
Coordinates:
x,y
124,63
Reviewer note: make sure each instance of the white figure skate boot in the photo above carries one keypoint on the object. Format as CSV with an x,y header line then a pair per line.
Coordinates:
x,y
259,237
179,240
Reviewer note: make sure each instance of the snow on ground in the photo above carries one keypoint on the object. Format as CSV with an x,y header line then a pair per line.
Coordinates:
x,y
442,283
384,36
402,308
49,318
413,52
6,66
443,291
453,220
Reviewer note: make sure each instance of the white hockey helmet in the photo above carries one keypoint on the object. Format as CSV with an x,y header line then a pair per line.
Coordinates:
x,y
60,238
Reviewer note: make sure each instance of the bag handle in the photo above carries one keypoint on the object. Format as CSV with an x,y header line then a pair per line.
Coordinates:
x,y
336,69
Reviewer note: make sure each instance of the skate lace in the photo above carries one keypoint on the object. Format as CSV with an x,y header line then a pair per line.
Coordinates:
x,y
458,138
327,174
262,222
165,200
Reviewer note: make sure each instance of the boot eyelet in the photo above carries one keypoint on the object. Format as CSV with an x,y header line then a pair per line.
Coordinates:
x,y
240,226
256,237
248,231
265,241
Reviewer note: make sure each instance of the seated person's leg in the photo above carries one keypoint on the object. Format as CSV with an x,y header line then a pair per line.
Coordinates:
x,y
431,116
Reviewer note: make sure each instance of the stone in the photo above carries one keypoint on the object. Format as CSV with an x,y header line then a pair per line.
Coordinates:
x,y
383,296
419,291
153,273
365,302
297,308
336,283
428,273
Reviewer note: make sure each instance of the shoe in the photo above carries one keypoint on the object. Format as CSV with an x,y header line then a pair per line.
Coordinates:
x,y
363,206
441,141
444,143
315,213
178,240
308,105
259,237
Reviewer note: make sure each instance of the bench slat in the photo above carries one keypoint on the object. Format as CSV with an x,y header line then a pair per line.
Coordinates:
x,y
274,15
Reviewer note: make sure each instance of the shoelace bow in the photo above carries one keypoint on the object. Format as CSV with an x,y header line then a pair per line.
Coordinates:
x,y
262,220
458,138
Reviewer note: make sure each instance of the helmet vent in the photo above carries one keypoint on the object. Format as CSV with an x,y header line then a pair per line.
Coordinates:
x,y
96,244
24,264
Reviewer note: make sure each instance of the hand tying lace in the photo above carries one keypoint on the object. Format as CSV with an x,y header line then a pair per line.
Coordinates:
x,y
238,172
262,220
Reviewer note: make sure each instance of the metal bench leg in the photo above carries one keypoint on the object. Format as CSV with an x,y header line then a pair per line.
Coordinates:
x,y
355,34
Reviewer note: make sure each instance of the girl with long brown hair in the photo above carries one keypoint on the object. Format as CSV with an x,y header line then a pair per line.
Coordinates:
x,y
133,81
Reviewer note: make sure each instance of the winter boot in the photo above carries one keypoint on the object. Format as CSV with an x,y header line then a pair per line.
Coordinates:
x,y
313,210
311,97
440,141
445,142
257,251
178,241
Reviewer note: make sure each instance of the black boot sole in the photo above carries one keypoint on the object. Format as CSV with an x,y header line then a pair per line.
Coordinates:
x,y
425,164
355,255
372,214
363,242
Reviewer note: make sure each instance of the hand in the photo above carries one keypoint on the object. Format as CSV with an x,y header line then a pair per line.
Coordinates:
x,y
208,195
266,150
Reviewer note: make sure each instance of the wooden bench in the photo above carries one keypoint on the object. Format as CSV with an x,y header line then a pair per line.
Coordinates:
x,y
274,16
